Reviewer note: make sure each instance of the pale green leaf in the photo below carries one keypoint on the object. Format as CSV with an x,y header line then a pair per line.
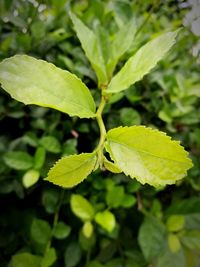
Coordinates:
x,y
18,160
39,158
30,178
49,258
119,47
81,207
88,229
110,166
92,48
142,62
72,255
106,220
175,223
148,155
174,243
38,82
26,259
71,170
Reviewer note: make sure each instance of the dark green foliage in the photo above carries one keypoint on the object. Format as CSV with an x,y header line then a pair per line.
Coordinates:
x,y
37,225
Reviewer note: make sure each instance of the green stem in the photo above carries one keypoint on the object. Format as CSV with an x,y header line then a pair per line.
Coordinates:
x,y
102,129
55,221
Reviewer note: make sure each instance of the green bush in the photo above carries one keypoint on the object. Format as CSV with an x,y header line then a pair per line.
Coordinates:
x,y
108,220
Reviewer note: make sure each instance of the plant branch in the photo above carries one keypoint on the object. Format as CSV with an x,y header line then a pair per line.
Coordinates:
x,y
102,129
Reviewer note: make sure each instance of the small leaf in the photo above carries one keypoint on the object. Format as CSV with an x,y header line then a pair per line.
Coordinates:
x,y
110,166
152,235
50,143
38,82
26,259
174,243
92,48
40,232
148,155
39,158
72,255
18,160
142,62
70,171
82,208
106,220
118,48
49,258
30,178
175,223
112,200
61,231
88,229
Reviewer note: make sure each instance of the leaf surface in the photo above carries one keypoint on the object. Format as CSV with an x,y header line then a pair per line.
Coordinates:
x,y
142,62
92,48
81,207
148,155
38,82
70,171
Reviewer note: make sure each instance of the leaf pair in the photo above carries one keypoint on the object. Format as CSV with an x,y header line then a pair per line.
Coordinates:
x,y
148,155
102,53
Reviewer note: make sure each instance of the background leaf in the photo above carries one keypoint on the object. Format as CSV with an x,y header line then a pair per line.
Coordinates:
x,y
82,208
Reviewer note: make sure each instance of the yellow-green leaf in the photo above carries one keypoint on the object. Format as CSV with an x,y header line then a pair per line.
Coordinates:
x,y
38,82
174,243
142,62
148,155
30,178
81,207
110,166
70,171
92,48
106,220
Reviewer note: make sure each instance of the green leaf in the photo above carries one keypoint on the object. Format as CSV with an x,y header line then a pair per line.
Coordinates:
x,y
92,48
18,160
88,229
174,243
70,171
110,166
168,259
142,62
26,259
30,178
50,199
38,82
82,208
129,117
50,143
106,220
49,258
39,158
175,223
148,155
191,240
61,230
112,200
119,47
152,236
72,255
128,201
40,232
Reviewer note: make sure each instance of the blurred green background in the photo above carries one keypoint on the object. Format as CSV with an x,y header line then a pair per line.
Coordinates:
x,y
42,225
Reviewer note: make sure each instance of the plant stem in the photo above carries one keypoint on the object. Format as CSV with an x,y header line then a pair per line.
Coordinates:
x,y
102,129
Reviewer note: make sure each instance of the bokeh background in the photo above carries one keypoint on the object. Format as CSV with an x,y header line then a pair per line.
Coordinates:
x,y
39,225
